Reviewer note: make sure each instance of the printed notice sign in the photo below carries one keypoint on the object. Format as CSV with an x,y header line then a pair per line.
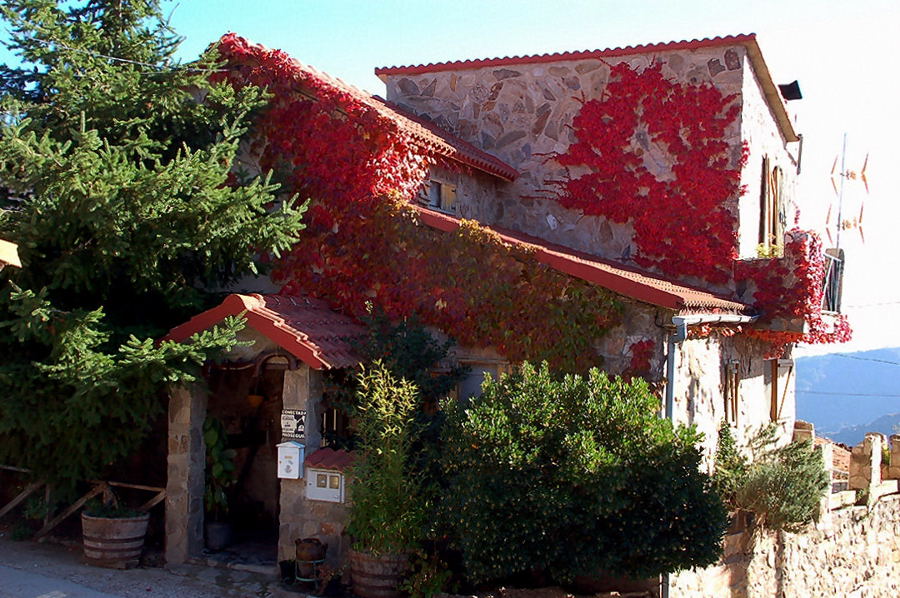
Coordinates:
x,y
293,423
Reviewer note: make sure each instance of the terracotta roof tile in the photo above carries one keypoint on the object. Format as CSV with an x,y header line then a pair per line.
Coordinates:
x,y
427,134
773,96
305,327
641,286
328,458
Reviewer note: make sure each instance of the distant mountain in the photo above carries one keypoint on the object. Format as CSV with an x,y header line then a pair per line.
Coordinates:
x,y
828,387
853,435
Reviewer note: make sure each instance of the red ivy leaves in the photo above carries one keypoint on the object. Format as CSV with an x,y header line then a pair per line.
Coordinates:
x,y
641,354
682,223
363,243
792,288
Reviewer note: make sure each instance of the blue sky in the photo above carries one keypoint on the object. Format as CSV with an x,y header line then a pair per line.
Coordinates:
x,y
843,53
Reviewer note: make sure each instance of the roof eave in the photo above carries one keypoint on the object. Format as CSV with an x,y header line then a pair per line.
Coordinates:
x,y
748,40
621,285
773,95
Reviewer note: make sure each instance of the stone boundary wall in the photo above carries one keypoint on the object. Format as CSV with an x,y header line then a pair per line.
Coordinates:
x,y
852,551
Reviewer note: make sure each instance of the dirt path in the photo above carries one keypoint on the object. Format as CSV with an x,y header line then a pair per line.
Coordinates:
x,y
41,570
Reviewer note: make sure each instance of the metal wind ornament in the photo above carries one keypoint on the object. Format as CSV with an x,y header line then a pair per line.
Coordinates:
x,y
842,223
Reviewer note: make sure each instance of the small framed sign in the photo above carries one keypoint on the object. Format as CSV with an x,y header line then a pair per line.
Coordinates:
x,y
293,423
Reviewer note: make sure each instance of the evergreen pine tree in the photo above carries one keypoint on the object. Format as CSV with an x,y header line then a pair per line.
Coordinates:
x,y
128,207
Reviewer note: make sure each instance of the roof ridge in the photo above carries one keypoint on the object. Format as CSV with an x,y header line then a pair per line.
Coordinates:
x,y
568,54
427,136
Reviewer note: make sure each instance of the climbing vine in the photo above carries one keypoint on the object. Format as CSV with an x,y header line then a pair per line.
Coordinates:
x,y
683,223
791,288
364,242
684,216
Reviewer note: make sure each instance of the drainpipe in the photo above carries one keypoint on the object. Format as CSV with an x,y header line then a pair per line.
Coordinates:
x,y
681,324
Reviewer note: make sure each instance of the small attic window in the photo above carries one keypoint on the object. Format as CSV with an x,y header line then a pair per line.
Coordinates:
x,y
442,196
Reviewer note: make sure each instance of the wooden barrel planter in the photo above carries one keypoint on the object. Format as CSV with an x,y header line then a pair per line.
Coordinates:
x,y
113,543
377,576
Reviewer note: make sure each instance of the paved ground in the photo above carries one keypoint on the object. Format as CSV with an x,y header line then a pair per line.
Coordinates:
x,y
32,570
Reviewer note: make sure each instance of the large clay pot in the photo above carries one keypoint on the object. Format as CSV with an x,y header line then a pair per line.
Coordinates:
x,y
310,552
113,542
377,576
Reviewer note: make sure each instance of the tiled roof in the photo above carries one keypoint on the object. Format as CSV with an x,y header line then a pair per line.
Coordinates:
x,y
304,327
615,277
328,458
423,132
447,144
773,96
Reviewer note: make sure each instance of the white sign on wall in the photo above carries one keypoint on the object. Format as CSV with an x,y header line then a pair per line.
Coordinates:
x,y
293,424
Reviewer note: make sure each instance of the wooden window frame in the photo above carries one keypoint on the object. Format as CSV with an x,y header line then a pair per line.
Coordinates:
x,y
731,390
771,206
778,396
442,196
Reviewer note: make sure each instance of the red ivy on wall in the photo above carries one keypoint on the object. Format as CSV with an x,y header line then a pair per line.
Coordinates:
x,y
791,288
684,219
684,224
363,243
641,353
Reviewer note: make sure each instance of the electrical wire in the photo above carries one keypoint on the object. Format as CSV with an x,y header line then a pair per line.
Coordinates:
x,y
856,357
848,394
156,67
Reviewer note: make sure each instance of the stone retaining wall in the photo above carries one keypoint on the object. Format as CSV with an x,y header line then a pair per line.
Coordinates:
x,y
851,552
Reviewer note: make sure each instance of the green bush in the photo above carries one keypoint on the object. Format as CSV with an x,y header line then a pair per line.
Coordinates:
x,y
573,475
781,486
386,510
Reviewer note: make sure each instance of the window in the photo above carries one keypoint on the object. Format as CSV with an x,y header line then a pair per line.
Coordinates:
x,y
470,386
731,382
772,216
442,196
778,387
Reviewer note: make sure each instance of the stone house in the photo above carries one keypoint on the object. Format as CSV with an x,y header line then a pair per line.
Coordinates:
x,y
661,174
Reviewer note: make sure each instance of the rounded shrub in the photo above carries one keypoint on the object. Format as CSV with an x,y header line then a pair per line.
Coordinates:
x,y
574,475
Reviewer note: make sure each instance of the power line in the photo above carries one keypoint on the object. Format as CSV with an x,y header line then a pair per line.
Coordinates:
x,y
861,305
848,394
858,358
156,67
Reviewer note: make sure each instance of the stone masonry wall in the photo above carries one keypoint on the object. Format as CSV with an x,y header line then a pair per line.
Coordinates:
x,y
300,517
699,386
853,552
523,113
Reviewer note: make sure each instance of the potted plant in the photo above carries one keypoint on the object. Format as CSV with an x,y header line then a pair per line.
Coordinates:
x,y
220,475
387,517
113,535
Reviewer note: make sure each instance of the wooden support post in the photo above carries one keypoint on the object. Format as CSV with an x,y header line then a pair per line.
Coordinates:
x,y
48,527
161,496
28,491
